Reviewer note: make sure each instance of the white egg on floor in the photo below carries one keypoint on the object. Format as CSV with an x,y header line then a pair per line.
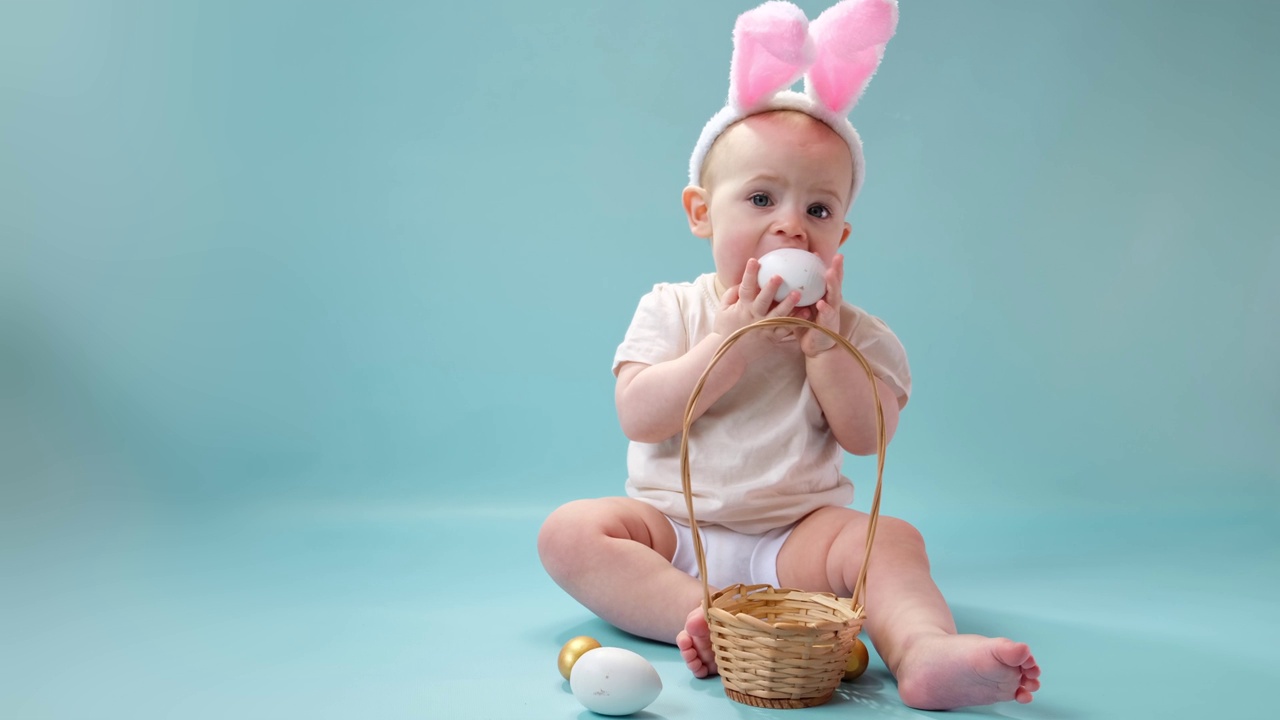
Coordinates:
x,y
800,270
614,681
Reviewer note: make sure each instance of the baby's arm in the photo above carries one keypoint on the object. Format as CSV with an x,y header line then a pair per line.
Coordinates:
x,y
651,399
844,393
839,381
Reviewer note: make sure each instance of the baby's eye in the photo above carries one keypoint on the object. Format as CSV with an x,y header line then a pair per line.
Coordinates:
x,y
820,211
760,200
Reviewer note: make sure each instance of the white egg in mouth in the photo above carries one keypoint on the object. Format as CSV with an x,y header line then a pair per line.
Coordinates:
x,y
800,270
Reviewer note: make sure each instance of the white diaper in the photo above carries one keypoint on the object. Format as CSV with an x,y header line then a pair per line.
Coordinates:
x,y
732,557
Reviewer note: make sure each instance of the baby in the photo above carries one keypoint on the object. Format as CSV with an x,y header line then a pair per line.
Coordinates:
x,y
774,169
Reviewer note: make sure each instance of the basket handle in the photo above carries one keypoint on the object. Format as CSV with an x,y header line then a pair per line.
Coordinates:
x,y
859,590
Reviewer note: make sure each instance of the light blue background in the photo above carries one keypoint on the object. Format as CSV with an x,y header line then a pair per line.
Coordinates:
x,y
307,312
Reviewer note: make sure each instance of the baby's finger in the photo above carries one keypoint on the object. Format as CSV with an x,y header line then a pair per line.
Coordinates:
x,y
766,296
835,280
828,314
730,297
750,281
787,304
804,313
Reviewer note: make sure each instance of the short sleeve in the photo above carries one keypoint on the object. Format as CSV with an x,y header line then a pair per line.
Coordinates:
x,y
657,332
883,351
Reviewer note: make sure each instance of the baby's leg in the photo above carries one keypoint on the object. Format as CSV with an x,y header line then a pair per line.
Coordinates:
x,y
613,555
907,617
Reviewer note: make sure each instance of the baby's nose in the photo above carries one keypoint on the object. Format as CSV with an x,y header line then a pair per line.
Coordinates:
x,y
791,225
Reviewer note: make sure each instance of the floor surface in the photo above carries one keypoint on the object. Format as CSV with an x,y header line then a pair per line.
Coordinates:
x,y
441,610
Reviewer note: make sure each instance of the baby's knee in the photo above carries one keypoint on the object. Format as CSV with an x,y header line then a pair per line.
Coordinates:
x,y
563,535
899,533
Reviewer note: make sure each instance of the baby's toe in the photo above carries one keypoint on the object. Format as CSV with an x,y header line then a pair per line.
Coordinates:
x,y
1013,654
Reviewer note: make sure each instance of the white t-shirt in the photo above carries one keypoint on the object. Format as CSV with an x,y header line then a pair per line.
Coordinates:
x,y
762,456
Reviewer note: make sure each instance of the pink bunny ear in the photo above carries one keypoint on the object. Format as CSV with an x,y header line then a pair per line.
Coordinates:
x,y
771,49
850,38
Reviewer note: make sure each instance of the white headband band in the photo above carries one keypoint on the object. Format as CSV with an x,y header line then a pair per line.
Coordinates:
x,y
774,45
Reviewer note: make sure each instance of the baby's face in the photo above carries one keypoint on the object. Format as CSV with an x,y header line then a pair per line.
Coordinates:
x,y
780,180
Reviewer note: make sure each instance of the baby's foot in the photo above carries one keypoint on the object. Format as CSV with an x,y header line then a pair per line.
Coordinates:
x,y
942,672
695,645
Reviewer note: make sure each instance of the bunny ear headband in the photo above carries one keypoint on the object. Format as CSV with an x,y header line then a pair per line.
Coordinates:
x,y
775,44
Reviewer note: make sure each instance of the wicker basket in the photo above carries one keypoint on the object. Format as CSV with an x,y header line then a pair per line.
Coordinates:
x,y
778,647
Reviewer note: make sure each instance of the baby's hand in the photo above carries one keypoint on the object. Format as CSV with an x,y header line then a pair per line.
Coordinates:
x,y
826,312
746,303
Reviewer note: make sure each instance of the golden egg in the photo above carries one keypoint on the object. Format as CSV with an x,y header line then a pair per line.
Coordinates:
x,y
858,660
574,649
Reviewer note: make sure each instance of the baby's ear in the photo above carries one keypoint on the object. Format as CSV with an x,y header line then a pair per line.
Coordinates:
x,y
694,200
845,236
